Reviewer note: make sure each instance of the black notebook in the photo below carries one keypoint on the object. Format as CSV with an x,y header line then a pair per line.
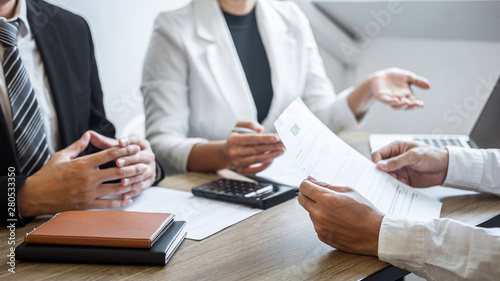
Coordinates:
x,y
159,254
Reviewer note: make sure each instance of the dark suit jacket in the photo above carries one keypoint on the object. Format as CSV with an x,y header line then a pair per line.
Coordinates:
x,y
65,45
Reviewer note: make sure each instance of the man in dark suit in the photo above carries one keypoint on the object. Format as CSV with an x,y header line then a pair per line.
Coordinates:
x,y
54,133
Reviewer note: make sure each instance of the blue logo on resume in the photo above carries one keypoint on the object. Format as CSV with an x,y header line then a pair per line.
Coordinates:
x,y
295,129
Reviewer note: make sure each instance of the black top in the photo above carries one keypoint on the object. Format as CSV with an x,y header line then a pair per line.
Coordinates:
x,y
253,57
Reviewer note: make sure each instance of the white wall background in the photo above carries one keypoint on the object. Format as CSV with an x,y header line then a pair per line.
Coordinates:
x,y
456,70
121,31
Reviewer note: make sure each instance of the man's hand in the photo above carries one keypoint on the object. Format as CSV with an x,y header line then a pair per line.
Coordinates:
x,y
67,182
342,218
145,156
392,86
249,154
413,163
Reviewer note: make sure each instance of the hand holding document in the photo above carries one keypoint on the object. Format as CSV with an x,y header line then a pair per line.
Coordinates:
x,y
323,155
249,150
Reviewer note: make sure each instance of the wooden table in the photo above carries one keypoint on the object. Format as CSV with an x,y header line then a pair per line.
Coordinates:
x,y
276,244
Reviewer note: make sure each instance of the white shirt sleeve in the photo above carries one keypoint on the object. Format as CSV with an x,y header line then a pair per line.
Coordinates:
x,y
440,249
433,249
474,169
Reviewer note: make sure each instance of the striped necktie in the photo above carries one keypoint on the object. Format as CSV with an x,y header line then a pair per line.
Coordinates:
x,y
29,133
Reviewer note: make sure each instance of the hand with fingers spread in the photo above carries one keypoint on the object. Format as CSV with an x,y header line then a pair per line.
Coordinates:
x,y
392,86
413,163
69,182
342,218
249,154
145,156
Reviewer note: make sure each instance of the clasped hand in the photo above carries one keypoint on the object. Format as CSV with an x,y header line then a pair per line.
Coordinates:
x,y
69,181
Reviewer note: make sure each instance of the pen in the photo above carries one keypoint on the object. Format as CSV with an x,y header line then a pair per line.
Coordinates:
x,y
243,130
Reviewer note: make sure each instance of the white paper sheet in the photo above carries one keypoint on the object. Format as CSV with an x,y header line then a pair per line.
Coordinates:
x,y
323,155
204,217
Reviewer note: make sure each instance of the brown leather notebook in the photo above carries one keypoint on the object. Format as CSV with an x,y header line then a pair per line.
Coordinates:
x,y
102,228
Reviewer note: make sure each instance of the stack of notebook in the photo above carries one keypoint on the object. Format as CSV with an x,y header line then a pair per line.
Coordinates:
x,y
111,237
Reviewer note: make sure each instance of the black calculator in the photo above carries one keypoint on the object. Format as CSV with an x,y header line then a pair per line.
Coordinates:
x,y
260,195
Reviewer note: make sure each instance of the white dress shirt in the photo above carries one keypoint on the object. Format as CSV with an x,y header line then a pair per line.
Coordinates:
x,y
195,89
444,249
33,64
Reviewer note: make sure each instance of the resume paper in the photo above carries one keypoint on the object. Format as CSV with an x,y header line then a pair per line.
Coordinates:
x,y
326,157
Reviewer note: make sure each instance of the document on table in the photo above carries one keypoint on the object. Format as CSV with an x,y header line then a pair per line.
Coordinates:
x,y
204,217
326,157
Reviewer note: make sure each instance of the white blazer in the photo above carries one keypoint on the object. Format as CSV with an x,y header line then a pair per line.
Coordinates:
x,y
195,89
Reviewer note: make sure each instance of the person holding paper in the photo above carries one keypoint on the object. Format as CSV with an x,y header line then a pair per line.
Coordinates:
x,y
437,249
55,136
215,63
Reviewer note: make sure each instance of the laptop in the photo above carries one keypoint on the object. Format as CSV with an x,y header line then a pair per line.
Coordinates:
x,y
484,134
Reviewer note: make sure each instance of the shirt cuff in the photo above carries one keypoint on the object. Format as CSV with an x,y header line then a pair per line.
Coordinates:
x,y
465,168
21,221
401,242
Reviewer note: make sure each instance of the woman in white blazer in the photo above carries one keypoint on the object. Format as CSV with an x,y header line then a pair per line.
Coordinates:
x,y
195,89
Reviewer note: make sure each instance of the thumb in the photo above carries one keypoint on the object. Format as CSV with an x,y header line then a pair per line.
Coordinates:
x,y
77,147
396,163
419,81
329,186
102,142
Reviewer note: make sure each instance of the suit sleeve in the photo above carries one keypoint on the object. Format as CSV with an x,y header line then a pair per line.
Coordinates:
x,y
165,91
97,121
10,188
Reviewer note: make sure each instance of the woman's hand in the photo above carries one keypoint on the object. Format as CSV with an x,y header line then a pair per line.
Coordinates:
x,y
392,86
249,154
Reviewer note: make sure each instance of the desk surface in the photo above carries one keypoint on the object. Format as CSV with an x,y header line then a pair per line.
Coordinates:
x,y
277,244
